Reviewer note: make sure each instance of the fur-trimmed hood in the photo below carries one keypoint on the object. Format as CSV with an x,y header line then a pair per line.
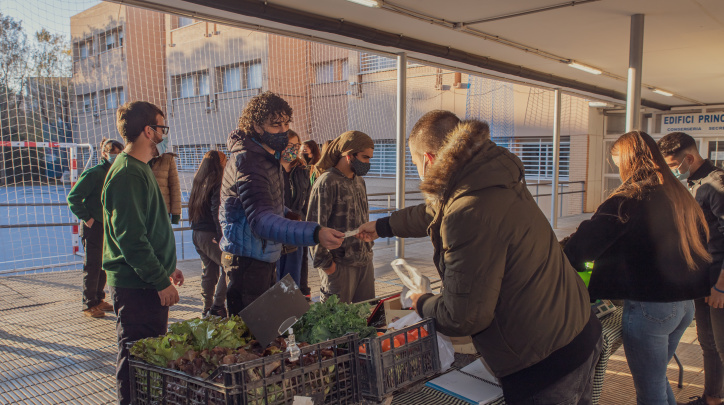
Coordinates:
x,y
470,161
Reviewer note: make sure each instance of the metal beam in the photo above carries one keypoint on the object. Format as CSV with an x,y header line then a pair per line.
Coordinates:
x,y
401,131
296,18
635,62
556,156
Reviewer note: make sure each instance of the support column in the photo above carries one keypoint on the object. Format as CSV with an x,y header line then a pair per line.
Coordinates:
x,y
556,156
635,61
401,131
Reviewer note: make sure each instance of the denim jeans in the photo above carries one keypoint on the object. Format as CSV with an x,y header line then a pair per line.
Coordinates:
x,y
710,331
651,332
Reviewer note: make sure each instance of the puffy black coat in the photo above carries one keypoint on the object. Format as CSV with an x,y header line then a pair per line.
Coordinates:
x,y
252,204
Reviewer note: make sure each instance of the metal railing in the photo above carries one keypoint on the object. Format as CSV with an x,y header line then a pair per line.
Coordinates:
x,y
373,198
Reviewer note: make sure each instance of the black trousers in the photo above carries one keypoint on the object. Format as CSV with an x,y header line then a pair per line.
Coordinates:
x,y
139,315
94,278
248,279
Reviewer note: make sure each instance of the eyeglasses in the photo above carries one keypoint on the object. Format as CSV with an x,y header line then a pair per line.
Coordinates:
x,y
164,129
296,145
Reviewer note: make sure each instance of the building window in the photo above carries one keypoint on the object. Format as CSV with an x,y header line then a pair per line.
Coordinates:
x,y
184,21
384,160
84,49
370,63
88,103
114,98
191,85
240,77
537,156
111,39
190,156
345,70
328,72
325,72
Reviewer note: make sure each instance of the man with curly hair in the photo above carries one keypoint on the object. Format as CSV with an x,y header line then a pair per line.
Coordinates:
x,y
253,218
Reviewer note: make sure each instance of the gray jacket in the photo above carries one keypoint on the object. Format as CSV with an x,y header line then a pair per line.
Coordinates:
x,y
707,186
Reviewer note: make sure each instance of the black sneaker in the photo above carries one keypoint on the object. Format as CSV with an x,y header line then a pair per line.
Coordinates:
x,y
697,400
218,311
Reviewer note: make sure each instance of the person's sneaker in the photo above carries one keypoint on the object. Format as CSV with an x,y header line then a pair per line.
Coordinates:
x,y
105,307
218,311
94,312
697,400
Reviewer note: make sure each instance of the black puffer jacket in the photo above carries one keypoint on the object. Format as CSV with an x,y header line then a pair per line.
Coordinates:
x,y
252,213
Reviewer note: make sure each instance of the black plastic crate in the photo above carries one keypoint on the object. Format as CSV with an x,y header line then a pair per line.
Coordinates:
x,y
383,373
334,380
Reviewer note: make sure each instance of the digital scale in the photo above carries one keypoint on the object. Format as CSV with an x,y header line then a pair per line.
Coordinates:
x,y
602,308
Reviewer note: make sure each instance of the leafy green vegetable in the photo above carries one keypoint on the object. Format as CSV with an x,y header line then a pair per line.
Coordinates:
x,y
332,319
159,350
195,334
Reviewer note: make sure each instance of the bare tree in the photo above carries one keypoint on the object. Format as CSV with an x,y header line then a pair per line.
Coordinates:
x,y
13,53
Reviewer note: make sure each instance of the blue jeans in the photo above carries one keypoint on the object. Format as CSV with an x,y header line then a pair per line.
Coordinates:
x,y
291,263
651,332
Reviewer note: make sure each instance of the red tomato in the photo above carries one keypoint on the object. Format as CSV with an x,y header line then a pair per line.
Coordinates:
x,y
412,335
386,345
400,340
380,333
423,332
362,349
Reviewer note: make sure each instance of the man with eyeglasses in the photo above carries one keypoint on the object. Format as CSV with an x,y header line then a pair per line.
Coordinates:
x,y
139,252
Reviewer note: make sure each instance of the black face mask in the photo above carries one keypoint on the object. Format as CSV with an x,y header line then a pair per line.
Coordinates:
x,y
306,158
360,168
277,142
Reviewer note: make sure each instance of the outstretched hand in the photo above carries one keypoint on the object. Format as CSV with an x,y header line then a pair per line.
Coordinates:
x,y
368,232
330,238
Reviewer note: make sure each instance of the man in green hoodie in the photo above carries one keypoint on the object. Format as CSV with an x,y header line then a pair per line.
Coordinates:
x,y
139,255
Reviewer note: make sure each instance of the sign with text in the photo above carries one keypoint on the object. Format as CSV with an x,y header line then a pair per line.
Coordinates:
x,y
698,123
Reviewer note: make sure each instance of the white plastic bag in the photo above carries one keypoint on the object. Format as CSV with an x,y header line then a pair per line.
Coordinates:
x,y
444,345
415,283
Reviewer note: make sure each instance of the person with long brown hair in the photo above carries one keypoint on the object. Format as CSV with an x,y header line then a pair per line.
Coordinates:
x,y
310,152
204,202
647,244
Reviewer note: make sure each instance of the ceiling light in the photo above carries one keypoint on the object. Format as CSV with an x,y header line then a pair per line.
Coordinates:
x,y
598,104
368,3
663,92
584,68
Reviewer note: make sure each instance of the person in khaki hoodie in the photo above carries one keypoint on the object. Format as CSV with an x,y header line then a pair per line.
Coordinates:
x,y
166,173
506,281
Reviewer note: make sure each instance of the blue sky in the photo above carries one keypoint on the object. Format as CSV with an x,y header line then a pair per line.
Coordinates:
x,y
54,15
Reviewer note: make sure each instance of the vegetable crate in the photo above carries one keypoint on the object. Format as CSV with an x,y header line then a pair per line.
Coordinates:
x,y
397,359
326,371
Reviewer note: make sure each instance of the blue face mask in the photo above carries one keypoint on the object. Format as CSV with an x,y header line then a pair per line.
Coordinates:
x,y
678,174
112,157
162,146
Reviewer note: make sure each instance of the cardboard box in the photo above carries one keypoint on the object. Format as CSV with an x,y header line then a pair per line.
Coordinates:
x,y
394,311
